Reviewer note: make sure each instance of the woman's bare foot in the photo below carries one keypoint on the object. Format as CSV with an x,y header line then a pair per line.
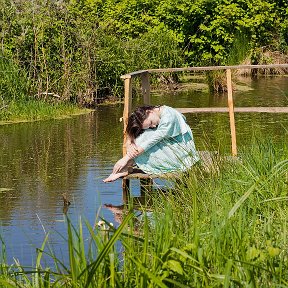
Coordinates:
x,y
115,176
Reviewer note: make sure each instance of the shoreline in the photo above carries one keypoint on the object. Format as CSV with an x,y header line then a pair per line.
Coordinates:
x,y
65,116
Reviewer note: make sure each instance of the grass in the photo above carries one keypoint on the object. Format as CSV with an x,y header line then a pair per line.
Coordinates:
x,y
17,104
240,52
33,110
226,228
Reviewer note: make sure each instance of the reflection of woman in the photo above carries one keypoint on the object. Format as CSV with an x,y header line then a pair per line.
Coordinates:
x,y
159,141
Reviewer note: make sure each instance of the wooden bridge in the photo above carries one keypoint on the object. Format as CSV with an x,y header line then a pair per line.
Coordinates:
x,y
145,84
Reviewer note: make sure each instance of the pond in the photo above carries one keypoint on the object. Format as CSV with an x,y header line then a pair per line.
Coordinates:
x,y
41,161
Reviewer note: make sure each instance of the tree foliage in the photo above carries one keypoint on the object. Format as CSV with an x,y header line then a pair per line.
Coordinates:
x,y
79,48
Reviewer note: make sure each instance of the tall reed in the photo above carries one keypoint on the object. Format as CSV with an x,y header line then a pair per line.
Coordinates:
x,y
14,83
239,53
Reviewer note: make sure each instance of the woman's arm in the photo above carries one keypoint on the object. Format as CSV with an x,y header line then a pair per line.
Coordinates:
x,y
132,153
133,150
172,124
120,164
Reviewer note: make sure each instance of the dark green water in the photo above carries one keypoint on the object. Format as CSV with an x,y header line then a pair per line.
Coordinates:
x,y
42,160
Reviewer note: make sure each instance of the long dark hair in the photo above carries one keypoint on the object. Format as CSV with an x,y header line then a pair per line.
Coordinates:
x,y
136,119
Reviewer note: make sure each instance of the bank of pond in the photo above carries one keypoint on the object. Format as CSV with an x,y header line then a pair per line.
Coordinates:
x,y
35,110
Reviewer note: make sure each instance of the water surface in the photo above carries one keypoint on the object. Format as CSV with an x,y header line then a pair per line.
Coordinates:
x,y
42,160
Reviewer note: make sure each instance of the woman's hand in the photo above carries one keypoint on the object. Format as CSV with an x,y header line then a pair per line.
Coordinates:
x,y
132,150
120,164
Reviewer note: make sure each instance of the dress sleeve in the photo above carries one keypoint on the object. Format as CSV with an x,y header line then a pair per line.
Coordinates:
x,y
172,124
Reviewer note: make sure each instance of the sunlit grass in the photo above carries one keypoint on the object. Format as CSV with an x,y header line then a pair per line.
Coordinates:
x,y
225,227
22,111
232,222
17,104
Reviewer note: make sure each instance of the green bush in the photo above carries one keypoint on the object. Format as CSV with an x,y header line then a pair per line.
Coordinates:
x,y
79,49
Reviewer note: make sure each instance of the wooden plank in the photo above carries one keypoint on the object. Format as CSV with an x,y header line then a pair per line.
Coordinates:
x,y
132,74
206,68
261,109
145,79
236,109
231,112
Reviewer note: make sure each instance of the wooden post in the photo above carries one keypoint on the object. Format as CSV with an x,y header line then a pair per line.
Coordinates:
x,y
126,114
125,190
146,184
145,79
127,108
231,112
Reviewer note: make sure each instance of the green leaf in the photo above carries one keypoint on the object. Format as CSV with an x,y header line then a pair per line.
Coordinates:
x,y
175,266
105,252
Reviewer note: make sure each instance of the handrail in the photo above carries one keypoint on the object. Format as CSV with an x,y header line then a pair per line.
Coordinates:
x,y
204,68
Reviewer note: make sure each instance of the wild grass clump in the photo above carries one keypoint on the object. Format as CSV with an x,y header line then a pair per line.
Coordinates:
x,y
239,53
225,227
14,83
229,226
33,110
16,102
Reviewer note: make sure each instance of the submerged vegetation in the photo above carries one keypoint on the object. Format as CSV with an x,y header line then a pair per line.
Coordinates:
x,y
225,227
78,49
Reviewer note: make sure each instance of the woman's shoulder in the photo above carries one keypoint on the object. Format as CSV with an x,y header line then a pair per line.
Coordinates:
x,y
168,116
168,111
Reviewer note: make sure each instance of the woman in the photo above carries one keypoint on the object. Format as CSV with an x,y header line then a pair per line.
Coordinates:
x,y
159,141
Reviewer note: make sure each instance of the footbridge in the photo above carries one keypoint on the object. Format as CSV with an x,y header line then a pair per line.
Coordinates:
x,y
145,75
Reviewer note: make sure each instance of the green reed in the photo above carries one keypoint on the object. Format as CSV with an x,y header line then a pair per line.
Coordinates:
x,y
220,227
14,83
233,221
31,110
239,53
16,102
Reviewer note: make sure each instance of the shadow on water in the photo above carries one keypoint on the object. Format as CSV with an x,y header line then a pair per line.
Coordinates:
x,y
42,161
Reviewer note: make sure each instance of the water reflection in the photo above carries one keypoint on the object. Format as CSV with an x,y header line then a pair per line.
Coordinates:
x,y
42,161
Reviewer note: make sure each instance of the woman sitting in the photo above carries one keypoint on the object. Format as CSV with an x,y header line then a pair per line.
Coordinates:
x,y
159,141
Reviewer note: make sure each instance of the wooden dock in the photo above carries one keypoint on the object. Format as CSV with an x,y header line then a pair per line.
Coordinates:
x,y
209,161
230,109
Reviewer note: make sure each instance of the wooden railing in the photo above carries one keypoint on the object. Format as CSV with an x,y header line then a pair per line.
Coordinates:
x,y
145,84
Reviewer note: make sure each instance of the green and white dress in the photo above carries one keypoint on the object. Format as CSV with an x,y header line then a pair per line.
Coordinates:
x,y
169,147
